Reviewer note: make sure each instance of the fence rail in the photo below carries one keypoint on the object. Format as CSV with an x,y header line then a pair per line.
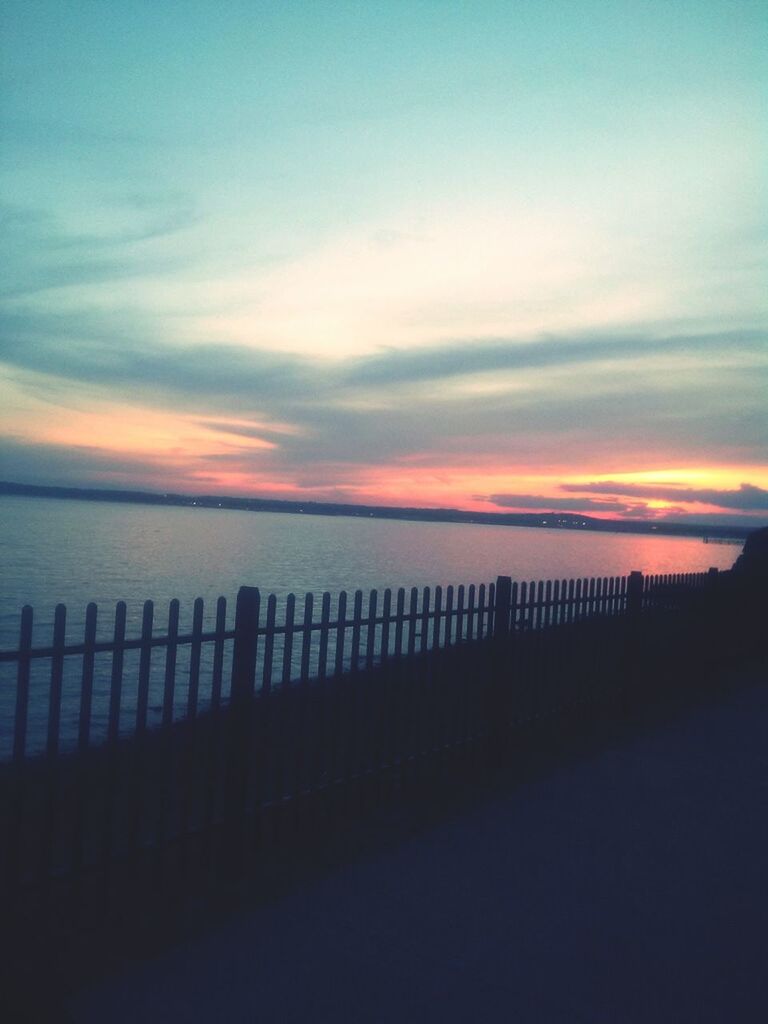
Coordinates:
x,y
113,746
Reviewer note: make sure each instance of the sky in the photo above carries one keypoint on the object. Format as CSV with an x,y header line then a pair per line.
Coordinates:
x,y
485,255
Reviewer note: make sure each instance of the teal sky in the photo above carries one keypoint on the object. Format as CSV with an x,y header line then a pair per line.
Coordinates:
x,y
300,192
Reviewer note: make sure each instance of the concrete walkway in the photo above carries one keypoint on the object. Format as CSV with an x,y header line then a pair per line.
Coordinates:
x,y
629,888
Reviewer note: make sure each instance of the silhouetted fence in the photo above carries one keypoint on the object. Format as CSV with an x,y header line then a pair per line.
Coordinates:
x,y
126,747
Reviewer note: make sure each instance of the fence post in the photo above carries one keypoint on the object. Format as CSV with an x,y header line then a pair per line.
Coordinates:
x,y
498,669
634,645
240,731
244,653
502,606
714,618
635,593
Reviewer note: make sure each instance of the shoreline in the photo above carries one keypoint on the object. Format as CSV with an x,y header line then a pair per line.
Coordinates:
x,y
546,520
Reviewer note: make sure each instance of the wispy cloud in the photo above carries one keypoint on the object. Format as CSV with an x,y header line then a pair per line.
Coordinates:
x,y
542,503
746,498
474,356
42,251
557,403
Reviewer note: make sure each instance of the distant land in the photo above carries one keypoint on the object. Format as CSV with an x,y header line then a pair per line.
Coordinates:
x,y
546,520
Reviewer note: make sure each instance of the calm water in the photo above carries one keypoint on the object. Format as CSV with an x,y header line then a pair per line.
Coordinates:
x,y
74,552
77,551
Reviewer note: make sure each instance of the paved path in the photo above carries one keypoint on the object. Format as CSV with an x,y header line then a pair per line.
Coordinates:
x,y
629,888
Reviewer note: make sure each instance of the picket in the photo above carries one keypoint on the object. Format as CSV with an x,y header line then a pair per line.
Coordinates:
x,y
362,694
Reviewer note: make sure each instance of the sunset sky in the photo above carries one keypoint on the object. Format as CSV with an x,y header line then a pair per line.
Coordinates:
x,y
488,255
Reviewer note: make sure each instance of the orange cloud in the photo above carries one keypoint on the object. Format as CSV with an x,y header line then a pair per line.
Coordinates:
x,y
137,431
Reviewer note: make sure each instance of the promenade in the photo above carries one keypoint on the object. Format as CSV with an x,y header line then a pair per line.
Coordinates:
x,y
622,886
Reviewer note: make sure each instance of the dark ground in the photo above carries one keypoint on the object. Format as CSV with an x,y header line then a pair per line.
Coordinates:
x,y
626,886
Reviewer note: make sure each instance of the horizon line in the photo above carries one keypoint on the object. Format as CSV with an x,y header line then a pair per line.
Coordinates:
x,y
568,519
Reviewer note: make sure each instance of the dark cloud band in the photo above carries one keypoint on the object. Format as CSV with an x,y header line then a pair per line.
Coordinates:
x,y
746,498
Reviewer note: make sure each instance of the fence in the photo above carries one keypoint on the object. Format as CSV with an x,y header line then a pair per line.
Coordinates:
x,y
278,708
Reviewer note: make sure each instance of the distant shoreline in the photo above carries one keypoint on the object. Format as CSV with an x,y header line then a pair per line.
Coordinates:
x,y
541,520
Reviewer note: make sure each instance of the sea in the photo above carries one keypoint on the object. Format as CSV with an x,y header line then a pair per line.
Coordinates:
x,y
72,552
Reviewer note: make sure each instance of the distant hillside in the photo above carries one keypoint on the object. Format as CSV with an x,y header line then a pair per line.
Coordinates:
x,y
546,520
